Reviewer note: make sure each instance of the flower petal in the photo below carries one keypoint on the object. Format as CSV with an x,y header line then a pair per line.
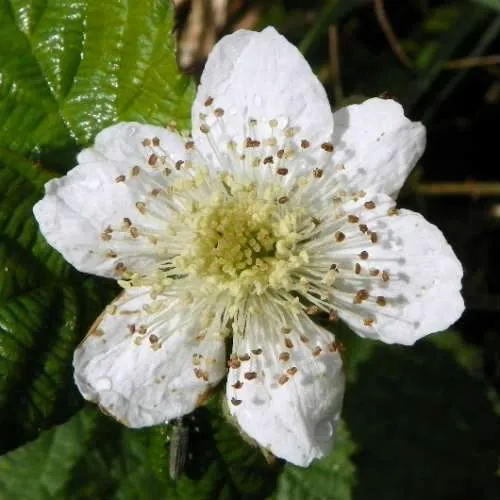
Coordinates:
x,y
285,384
397,279
145,367
97,215
251,78
377,144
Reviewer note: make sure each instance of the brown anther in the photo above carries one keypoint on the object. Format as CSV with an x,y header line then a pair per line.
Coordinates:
x,y
283,379
381,301
244,357
304,143
156,141
280,153
369,321
318,173
143,329
284,356
316,351
315,221
292,370
167,171
189,145
393,211
285,330
288,343
360,296
282,171
235,401
369,205
134,232
238,384
312,310
250,375
127,222
304,339
353,218
363,228
385,276
357,268
141,206
155,192
152,159
363,255
209,101
153,338
339,236
250,143
257,351
178,164
131,329
204,128
120,268
111,254
218,112
268,160
283,199
146,143
374,272
106,236
334,267
333,347
136,171
120,178
327,146
233,362
333,316
373,237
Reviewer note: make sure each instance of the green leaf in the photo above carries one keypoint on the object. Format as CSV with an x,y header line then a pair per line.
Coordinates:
x,y
67,69
331,477
70,68
91,456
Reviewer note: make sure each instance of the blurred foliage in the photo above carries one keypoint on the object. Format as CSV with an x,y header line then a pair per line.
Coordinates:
x,y
419,423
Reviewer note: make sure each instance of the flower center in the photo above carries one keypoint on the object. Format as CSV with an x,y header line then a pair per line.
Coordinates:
x,y
243,243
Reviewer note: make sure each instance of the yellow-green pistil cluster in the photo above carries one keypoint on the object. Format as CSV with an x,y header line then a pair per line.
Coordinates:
x,y
243,244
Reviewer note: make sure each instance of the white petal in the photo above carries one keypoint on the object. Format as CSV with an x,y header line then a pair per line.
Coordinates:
x,y
259,76
144,379
378,145
289,396
404,264
80,207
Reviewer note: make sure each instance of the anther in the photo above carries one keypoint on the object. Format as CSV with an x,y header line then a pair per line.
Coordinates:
x,y
363,228
136,171
283,199
285,330
235,401
134,232
111,254
316,351
268,159
318,173
284,356
146,143
208,102
292,370
327,146
385,276
250,375
339,236
218,112
282,171
353,218
333,316
153,338
257,351
238,384
304,144
120,178
280,153
357,268
374,237
369,205
152,160
141,206
360,296
156,141
393,211
288,343
127,222
381,301
363,255
204,128
189,145
244,357
283,379
311,310
178,164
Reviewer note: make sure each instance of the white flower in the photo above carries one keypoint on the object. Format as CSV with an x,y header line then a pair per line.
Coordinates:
x,y
267,215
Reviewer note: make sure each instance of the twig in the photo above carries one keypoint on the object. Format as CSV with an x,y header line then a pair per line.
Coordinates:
x,y
472,62
391,37
468,188
333,43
